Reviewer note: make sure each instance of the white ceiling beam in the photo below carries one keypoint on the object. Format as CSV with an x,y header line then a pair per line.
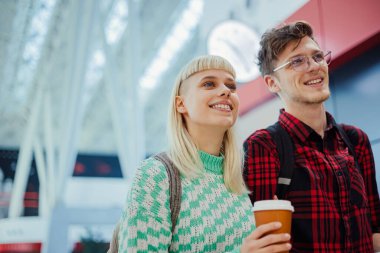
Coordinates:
x,y
24,160
130,75
125,134
81,38
82,34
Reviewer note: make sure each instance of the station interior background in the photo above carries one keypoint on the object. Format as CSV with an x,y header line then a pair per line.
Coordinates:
x,y
85,87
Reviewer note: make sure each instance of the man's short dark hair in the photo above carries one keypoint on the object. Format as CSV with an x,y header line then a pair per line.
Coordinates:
x,y
274,41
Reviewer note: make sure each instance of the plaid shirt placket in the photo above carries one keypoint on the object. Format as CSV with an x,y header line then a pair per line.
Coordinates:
x,y
332,223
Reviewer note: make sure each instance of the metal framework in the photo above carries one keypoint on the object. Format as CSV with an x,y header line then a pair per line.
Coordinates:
x,y
55,159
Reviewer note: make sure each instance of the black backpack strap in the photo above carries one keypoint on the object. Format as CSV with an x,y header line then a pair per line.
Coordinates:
x,y
285,151
175,187
349,145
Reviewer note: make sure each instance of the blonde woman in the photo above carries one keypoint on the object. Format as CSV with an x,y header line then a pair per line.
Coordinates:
x,y
215,213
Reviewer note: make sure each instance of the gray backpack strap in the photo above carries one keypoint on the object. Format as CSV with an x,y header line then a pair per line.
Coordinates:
x,y
175,188
285,150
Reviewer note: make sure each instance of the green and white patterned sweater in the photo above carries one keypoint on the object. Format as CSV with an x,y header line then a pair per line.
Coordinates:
x,y
211,219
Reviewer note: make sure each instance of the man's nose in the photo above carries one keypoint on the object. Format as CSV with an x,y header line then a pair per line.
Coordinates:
x,y
313,65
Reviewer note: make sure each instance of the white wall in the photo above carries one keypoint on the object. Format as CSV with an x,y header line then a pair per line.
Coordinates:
x,y
260,117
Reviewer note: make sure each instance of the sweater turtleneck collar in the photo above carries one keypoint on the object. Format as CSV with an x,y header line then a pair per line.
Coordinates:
x,y
213,164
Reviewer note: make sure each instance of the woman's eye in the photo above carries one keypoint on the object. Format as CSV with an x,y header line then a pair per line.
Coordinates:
x,y
231,86
208,84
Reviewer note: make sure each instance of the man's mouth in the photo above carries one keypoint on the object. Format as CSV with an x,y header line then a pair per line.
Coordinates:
x,y
314,81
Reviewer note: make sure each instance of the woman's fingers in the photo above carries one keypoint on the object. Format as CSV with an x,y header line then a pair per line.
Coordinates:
x,y
264,229
276,248
272,239
263,240
267,244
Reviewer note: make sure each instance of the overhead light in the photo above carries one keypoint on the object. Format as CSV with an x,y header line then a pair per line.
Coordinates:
x,y
173,43
239,44
117,22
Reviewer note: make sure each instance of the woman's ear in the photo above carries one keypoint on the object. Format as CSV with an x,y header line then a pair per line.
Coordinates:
x,y
180,106
272,82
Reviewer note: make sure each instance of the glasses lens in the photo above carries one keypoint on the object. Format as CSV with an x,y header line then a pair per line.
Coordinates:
x,y
328,57
299,63
318,57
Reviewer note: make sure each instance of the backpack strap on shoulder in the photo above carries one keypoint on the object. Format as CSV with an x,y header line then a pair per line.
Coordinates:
x,y
349,145
175,187
285,152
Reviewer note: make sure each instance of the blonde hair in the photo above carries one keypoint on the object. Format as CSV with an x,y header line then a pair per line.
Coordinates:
x,y
183,151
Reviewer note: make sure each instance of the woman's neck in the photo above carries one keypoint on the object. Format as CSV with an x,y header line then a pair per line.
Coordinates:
x,y
207,139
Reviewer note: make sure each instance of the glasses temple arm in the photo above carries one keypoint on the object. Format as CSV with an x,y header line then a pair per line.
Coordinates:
x,y
281,66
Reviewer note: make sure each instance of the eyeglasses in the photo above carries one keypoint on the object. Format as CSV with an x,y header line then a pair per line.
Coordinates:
x,y
302,62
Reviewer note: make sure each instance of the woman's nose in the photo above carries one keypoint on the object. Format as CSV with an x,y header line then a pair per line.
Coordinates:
x,y
225,91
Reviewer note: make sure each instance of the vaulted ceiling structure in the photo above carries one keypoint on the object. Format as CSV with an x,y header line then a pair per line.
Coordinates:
x,y
97,74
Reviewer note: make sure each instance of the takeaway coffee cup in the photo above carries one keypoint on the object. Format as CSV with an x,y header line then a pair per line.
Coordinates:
x,y
266,211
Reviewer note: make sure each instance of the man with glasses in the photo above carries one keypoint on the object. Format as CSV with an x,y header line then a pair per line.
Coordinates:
x,y
337,207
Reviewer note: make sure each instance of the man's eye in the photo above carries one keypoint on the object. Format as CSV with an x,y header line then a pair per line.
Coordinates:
x,y
318,57
297,61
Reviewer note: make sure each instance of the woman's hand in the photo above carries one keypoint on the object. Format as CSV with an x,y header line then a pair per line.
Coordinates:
x,y
260,240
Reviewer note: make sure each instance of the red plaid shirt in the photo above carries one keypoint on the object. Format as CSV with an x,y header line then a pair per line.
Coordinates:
x,y
337,207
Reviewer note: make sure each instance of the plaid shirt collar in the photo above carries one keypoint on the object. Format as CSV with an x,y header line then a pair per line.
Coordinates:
x,y
297,129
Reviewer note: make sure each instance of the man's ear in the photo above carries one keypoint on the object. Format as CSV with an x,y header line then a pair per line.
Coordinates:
x,y
272,83
180,106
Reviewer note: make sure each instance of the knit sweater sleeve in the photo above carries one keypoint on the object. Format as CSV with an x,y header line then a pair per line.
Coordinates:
x,y
145,223
236,250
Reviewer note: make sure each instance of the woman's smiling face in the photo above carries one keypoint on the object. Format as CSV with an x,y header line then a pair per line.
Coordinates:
x,y
209,98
